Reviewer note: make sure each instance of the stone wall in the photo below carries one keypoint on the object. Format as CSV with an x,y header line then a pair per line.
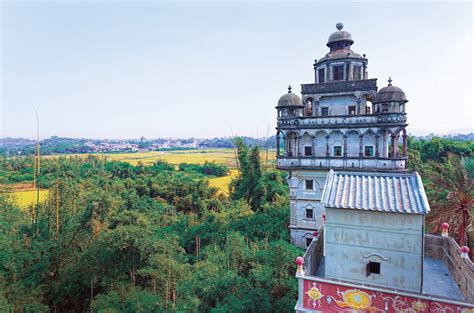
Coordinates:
x,y
314,254
461,270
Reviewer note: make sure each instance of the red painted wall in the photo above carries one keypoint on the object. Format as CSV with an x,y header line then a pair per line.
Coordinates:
x,y
327,297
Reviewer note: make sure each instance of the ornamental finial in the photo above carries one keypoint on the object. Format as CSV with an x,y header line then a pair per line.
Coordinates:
x,y
339,26
289,88
390,81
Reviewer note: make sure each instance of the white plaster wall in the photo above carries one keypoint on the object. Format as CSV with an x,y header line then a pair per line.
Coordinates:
x,y
338,105
320,144
353,144
355,237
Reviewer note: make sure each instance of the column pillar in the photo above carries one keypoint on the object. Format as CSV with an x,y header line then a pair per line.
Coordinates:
x,y
361,146
377,139
392,148
404,136
278,144
298,148
345,146
327,146
348,71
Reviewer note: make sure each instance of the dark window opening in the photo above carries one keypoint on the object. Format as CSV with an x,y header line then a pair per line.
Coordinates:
x,y
321,76
352,110
373,268
384,108
308,241
368,110
309,184
308,151
369,151
309,214
324,111
338,72
337,151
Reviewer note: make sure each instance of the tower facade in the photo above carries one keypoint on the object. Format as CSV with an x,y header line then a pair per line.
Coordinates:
x,y
342,122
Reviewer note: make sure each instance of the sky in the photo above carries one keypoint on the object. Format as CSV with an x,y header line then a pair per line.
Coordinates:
x,y
103,69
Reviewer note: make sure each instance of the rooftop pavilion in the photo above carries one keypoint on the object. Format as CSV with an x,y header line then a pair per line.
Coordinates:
x,y
371,252
447,283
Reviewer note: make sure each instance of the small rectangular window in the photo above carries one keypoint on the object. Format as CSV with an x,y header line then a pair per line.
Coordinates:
x,y
324,111
384,108
337,151
357,72
369,151
338,72
368,110
309,184
308,241
352,110
321,75
308,151
309,214
373,268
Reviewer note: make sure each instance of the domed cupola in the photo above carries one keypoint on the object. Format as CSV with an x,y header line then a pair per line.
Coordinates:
x,y
340,39
290,105
290,100
390,99
390,94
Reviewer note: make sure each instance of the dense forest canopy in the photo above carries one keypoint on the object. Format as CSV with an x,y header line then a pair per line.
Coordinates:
x,y
113,237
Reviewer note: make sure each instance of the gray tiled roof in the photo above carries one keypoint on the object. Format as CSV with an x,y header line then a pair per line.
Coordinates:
x,y
387,192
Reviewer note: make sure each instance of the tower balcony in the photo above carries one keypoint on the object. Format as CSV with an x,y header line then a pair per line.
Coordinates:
x,y
382,119
339,86
391,163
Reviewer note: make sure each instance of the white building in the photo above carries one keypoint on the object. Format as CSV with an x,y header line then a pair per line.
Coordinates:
x,y
341,122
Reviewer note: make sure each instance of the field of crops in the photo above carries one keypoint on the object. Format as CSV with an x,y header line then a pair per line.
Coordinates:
x,y
223,182
25,198
222,156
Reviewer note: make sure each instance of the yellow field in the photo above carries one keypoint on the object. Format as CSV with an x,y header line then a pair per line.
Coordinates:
x,y
24,194
25,198
223,182
221,156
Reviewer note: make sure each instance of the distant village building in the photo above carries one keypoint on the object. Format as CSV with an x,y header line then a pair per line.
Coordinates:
x,y
353,205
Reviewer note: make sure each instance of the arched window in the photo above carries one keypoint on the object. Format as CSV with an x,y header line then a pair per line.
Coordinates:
x,y
308,107
336,144
306,145
291,144
369,143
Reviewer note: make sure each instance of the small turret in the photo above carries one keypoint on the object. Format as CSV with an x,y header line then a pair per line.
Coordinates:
x,y
290,105
390,99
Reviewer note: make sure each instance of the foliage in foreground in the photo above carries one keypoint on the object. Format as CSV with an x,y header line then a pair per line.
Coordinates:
x,y
447,168
120,238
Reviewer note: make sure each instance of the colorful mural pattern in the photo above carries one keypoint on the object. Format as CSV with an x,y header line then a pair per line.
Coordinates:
x,y
328,297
